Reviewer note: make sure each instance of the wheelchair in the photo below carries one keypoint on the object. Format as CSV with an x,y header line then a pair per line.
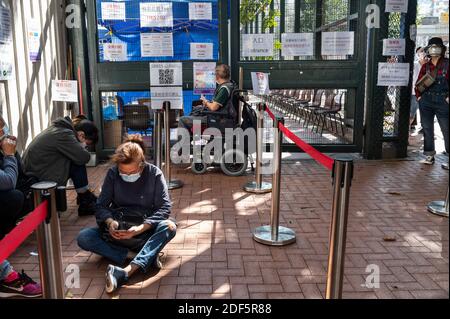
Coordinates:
x,y
233,160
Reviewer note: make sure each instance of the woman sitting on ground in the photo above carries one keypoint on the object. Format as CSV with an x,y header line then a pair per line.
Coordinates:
x,y
132,215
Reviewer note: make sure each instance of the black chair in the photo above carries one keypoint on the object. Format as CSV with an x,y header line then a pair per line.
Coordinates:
x,y
137,118
307,108
320,113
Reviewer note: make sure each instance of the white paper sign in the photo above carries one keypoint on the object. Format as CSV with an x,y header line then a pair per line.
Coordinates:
x,y
113,11
393,47
297,44
156,44
156,14
396,5
338,43
174,95
34,40
257,45
6,47
393,74
200,11
115,52
64,91
260,83
166,74
202,51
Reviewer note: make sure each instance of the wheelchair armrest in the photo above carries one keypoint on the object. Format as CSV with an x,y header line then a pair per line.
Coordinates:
x,y
197,103
215,114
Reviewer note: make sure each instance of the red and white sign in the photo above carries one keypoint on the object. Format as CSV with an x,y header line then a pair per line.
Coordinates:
x,y
115,52
113,11
65,91
200,11
202,51
394,47
260,83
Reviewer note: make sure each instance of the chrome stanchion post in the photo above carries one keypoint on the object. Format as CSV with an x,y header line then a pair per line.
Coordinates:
x,y
439,208
49,243
171,184
259,187
158,138
342,180
275,235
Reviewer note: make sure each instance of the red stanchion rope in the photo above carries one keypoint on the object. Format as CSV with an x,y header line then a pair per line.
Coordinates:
x,y
18,235
321,158
269,112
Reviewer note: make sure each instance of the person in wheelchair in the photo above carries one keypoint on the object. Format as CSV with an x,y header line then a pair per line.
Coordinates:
x,y
219,107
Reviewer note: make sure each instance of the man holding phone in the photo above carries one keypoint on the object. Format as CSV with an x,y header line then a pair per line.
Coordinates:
x,y
220,99
11,199
12,283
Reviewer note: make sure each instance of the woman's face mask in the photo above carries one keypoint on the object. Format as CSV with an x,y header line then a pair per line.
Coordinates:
x,y
130,178
130,173
435,50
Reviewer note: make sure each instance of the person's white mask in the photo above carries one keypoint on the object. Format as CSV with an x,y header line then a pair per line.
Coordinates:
x,y
5,130
130,178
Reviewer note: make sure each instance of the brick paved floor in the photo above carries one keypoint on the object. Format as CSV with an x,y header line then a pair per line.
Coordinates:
x,y
214,255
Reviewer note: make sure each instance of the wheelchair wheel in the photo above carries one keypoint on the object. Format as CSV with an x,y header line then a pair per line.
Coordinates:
x,y
238,166
199,168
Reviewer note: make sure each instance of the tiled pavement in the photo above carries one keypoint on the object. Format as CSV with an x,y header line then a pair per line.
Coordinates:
x,y
214,255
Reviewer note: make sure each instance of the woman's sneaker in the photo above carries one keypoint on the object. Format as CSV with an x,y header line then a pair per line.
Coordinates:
x,y
157,264
19,285
116,277
429,160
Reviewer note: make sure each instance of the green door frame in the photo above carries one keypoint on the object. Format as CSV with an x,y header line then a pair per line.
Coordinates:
x,y
133,76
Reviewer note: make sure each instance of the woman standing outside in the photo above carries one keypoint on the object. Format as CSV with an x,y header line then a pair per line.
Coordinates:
x,y
433,99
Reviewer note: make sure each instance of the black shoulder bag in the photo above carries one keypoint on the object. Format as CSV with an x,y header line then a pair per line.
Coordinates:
x,y
127,218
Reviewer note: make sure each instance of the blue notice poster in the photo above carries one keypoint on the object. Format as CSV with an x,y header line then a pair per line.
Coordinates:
x,y
128,31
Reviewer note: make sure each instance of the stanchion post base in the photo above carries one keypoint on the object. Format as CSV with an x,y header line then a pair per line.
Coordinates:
x,y
263,235
254,188
175,184
438,208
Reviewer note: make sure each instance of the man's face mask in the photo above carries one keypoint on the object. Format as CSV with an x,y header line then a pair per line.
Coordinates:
x,y
4,132
435,50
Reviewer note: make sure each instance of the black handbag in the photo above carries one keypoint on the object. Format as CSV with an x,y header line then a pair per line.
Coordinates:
x,y
127,218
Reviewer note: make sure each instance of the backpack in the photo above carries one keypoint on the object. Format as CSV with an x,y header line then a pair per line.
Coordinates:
x,y
249,121
231,107
249,117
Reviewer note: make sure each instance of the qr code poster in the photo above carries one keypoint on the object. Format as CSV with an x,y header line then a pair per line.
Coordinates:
x,y
174,95
166,74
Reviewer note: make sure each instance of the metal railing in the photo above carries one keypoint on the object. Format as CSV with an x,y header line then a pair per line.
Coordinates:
x,y
342,175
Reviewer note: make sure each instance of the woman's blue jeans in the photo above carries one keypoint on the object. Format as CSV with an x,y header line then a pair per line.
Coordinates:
x,y
90,239
432,106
